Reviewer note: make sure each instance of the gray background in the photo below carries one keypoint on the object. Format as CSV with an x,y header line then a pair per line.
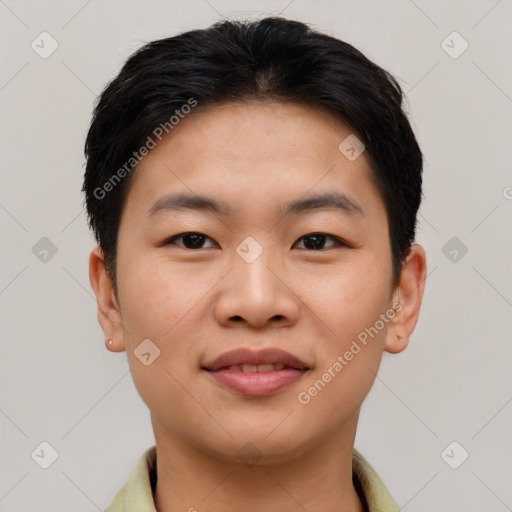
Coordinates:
x,y
59,384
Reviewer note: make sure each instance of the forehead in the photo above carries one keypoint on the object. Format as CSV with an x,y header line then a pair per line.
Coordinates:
x,y
256,150
259,129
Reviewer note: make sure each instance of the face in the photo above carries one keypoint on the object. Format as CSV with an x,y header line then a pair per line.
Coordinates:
x,y
290,250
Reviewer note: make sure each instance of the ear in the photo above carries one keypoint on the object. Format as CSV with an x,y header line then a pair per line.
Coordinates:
x,y
109,315
407,298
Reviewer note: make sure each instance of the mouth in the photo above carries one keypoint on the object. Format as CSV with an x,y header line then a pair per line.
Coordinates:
x,y
256,373
257,368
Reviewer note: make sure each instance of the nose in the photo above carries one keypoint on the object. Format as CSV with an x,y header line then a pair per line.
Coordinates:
x,y
257,294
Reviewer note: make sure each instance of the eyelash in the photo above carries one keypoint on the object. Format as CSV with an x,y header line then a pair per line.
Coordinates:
x,y
339,242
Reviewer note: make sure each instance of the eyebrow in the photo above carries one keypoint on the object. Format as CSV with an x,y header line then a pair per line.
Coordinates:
x,y
326,201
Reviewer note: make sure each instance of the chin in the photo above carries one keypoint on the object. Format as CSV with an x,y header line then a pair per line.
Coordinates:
x,y
257,446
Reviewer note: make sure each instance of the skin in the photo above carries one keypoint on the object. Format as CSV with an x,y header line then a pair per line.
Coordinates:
x,y
196,303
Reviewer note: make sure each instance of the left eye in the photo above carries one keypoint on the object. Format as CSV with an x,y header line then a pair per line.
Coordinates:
x,y
316,241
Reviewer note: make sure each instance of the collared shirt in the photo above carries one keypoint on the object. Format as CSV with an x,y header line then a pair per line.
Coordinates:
x,y
137,494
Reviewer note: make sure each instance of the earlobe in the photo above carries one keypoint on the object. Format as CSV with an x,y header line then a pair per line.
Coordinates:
x,y
109,316
113,346
408,296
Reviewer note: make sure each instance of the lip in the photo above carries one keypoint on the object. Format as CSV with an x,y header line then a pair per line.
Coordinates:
x,y
247,356
256,383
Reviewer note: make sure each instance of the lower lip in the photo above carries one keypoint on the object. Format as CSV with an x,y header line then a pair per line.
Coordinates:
x,y
257,383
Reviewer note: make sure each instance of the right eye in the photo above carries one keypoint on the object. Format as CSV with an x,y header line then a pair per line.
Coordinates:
x,y
191,240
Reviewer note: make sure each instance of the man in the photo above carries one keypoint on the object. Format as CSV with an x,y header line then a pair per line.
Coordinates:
x,y
253,188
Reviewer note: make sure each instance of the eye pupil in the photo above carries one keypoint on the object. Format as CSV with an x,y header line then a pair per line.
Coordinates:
x,y
196,240
317,241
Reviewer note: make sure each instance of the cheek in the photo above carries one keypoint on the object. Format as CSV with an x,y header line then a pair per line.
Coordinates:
x,y
155,307
153,301
156,299
351,297
350,354
350,303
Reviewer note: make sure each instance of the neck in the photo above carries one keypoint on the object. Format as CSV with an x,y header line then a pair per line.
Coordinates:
x,y
318,479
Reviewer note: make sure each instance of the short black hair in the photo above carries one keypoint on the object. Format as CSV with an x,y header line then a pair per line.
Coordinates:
x,y
235,61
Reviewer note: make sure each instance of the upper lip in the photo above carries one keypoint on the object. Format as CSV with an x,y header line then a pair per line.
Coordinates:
x,y
247,356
